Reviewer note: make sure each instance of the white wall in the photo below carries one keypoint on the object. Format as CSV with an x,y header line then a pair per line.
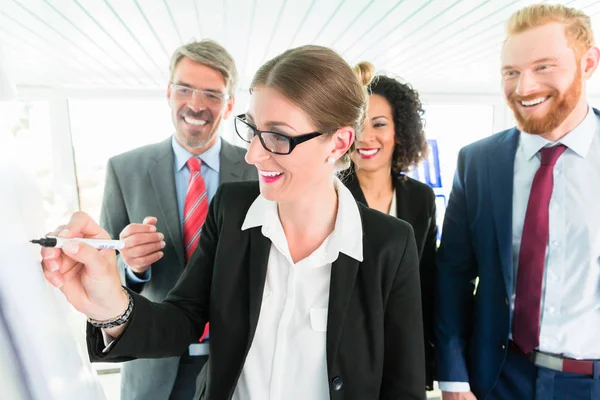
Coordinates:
x,y
80,182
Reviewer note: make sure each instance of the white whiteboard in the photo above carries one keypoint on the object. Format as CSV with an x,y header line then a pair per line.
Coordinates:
x,y
40,345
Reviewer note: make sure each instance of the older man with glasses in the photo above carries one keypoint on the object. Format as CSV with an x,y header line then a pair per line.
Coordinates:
x,y
156,199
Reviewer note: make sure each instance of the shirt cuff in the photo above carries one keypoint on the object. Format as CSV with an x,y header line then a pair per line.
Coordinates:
x,y
455,386
108,341
132,277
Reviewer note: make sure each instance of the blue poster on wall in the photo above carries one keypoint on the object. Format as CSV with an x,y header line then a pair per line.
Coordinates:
x,y
429,172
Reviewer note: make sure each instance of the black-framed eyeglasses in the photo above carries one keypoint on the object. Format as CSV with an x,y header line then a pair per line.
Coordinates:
x,y
209,96
273,142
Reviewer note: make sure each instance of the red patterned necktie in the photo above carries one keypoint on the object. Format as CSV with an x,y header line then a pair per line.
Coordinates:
x,y
534,239
194,213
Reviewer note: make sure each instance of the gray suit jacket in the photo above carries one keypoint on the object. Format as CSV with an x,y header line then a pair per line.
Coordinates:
x,y
141,183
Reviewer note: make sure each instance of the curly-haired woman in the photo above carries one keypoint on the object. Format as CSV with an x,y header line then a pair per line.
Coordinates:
x,y
392,141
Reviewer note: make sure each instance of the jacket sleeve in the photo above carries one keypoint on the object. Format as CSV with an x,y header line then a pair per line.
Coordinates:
x,y
166,329
455,278
113,215
404,359
427,274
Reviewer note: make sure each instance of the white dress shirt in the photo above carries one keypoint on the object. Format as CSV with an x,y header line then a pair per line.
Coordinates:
x,y
570,310
287,358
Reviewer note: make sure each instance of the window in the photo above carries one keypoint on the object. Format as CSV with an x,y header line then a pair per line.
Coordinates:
x,y
449,128
29,124
104,128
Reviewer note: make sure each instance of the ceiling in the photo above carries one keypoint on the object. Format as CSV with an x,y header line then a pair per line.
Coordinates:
x,y
440,46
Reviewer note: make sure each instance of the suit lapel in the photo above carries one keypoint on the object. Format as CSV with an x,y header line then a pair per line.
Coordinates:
x,y
343,276
501,174
402,211
229,170
351,182
162,176
259,258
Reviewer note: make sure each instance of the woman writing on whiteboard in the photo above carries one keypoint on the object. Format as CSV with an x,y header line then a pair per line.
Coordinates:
x,y
300,306
391,143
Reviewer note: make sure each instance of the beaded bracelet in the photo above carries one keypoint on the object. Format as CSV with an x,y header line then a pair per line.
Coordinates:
x,y
113,322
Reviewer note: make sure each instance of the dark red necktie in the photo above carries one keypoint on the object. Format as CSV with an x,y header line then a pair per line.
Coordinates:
x,y
534,239
194,213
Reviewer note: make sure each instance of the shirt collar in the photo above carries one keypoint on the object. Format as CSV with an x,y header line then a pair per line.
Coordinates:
x,y
579,139
347,234
210,157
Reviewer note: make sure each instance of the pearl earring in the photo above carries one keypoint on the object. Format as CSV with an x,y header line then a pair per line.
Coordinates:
x,y
330,160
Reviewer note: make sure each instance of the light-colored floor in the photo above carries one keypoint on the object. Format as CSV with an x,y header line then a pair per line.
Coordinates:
x,y
435,394
111,382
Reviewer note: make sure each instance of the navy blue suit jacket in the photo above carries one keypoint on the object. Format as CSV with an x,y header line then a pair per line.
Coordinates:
x,y
472,327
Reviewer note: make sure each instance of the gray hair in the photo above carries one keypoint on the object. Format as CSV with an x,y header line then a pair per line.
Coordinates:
x,y
213,55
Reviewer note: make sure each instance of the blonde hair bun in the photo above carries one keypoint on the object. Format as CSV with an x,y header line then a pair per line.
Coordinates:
x,y
364,71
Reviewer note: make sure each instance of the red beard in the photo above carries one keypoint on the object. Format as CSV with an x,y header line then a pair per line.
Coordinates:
x,y
563,105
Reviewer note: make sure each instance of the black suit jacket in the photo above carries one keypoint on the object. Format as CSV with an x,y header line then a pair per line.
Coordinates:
x,y
374,327
415,204
139,183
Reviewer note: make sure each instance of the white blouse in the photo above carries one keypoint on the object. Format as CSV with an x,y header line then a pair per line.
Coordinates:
x,y
393,207
287,358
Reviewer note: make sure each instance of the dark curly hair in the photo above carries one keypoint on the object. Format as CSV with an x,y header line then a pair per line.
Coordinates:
x,y
407,112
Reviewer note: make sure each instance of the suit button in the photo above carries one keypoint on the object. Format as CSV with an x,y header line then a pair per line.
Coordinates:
x,y
506,300
337,383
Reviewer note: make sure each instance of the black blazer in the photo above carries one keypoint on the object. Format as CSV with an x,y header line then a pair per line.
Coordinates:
x,y
415,204
374,327
141,182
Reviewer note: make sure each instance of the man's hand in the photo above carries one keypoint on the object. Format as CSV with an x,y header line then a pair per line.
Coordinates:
x,y
143,245
458,396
